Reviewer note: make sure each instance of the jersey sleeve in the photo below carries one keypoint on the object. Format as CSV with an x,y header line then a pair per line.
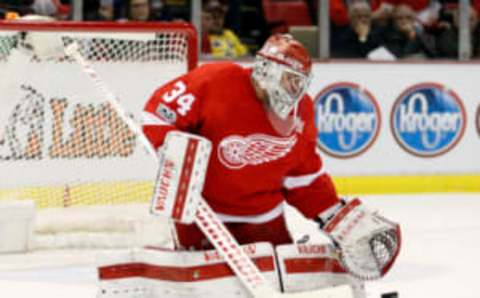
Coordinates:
x,y
308,187
175,106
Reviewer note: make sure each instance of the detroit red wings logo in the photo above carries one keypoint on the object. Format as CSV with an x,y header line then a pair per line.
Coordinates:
x,y
235,152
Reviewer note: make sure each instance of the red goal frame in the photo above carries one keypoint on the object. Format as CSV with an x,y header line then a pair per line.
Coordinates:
x,y
87,26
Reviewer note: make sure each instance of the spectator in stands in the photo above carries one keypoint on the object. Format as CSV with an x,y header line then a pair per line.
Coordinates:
x,y
224,43
426,11
450,7
98,10
10,7
251,23
404,40
57,9
382,15
147,10
207,20
178,9
361,37
448,39
138,10
160,11
340,16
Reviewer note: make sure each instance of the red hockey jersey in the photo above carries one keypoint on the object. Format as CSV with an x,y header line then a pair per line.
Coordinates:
x,y
252,169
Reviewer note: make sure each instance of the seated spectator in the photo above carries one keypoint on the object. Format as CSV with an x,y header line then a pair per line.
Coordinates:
x,y
404,40
52,8
340,16
21,7
224,43
448,39
160,12
98,10
138,10
147,10
383,14
178,9
426,11
206,24
361,37
339,10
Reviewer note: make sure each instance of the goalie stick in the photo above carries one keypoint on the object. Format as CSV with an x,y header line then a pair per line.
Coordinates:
x,y
205,217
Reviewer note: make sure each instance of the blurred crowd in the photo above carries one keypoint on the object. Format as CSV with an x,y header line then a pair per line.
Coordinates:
x,y
403,29
376,29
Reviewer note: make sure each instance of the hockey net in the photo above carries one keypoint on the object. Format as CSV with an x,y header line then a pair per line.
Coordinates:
x,y
63,146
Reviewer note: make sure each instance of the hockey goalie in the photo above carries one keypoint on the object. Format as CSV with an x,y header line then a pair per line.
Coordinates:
x,y
258,124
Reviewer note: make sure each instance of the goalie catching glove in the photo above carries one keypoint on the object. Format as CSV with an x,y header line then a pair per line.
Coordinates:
x,y
368,243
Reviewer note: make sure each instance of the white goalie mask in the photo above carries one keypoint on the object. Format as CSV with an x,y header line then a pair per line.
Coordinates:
x,y
283,69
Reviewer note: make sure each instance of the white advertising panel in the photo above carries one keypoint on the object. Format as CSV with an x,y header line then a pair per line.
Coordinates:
x,y
57,128
373,119
397,119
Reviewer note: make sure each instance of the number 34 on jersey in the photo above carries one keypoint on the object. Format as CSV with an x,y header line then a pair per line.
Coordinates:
x,y
177,94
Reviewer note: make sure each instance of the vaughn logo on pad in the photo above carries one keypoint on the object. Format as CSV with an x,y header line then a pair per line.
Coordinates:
x,y
347,118
428,119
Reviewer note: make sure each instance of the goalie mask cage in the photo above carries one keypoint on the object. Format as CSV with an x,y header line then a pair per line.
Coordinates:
x,y
62,144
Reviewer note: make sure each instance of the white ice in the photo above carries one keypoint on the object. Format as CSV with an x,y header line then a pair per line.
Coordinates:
x,y
441,239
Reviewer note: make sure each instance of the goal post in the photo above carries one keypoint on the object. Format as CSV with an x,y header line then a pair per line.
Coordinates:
x,y
63,146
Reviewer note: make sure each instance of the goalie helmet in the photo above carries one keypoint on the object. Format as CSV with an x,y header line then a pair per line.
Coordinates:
x,y
283,69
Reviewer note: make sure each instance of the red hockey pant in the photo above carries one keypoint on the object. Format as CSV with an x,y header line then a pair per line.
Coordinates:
x,y
274,231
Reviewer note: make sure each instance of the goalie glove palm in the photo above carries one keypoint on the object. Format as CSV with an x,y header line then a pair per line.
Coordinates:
x,y
368,242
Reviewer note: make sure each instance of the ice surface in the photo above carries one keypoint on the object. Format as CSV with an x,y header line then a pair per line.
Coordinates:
x,y
439,256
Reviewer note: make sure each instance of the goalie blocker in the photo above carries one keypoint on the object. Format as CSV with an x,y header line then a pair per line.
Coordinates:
x,y
183,164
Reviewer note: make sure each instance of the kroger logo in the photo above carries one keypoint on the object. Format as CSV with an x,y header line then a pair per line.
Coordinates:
x,y
347,118
428,120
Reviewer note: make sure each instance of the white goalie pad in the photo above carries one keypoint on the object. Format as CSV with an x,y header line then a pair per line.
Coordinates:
x,y
181,175
161,273
309,267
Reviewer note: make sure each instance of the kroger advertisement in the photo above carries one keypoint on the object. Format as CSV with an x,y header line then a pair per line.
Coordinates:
x,y
398,119
372,118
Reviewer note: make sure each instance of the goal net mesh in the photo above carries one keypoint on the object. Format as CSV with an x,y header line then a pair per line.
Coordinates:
x,y
62,144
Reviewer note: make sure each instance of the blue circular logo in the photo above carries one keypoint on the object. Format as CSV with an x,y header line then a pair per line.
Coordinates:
x,y
347,119
428,119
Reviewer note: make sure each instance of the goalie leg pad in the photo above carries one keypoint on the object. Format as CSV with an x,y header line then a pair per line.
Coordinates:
x,y
161,273
309,267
